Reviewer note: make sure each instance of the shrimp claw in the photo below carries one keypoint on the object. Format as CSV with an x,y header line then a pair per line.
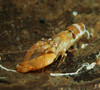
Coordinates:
x,y
36,63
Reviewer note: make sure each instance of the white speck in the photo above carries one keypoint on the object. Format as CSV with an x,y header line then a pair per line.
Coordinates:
x,y
42,39
64,49
65,44
73,40
42,43
48,61
49,39
65,54
84,45
75,13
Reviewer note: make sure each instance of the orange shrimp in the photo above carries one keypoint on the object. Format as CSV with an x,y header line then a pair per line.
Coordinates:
x,y
44,52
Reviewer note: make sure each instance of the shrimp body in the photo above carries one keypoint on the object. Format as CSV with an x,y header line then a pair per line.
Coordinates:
x,y
44,52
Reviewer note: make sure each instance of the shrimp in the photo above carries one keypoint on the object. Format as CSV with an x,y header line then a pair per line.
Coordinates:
x,y
44,52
